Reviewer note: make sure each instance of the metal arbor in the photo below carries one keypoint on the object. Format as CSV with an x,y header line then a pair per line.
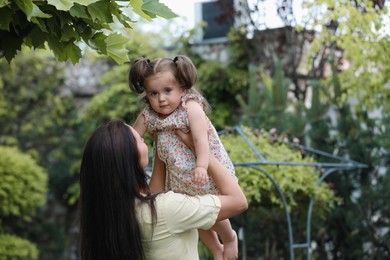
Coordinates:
x,y
342,165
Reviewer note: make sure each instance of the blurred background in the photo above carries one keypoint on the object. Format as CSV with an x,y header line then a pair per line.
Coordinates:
x,y
307,82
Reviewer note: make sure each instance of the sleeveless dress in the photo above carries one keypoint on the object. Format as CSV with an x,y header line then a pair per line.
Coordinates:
x,y
178,158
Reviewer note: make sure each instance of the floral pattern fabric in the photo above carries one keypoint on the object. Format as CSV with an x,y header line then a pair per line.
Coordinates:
x,y
178,158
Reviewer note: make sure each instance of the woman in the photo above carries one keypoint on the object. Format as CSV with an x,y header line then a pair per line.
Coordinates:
x,y
121,219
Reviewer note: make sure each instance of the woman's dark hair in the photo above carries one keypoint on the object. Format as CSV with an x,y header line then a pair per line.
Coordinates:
x,y
111,179
181,67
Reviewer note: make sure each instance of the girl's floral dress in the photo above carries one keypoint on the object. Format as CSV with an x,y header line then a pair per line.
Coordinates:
x,y
178,158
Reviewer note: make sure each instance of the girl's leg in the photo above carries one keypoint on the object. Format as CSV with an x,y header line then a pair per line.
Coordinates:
x,y
210,239
229,239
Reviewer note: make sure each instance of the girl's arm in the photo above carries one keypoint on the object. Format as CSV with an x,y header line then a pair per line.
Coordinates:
x,y
139,125
199,130
233,200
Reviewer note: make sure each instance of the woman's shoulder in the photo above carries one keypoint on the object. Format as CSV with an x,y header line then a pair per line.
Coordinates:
x,y
174,197
184,212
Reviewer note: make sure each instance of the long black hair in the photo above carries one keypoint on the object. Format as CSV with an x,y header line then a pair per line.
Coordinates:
x,y
111,179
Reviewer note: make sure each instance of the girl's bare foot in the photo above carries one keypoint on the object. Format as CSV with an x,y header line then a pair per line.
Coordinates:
x,y
230,247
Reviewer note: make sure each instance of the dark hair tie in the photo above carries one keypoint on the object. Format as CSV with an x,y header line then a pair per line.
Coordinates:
x,y
175,59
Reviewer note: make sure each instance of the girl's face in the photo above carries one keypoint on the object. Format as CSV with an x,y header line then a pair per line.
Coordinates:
x,y
142,148
163,93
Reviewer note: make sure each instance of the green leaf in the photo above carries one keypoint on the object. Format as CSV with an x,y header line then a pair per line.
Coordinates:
x,y
98,42
63,5
123,19
65,51
36,38
154,6
5,14
55,45
86,2
36,12
151,14
69,34
116,47
84,30
137,6
79,11
41,24
100,11
72,52
11,45
25,5
66,5
4,3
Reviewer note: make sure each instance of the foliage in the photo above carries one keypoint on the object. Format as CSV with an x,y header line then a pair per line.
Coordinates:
x,y
267,104
62,25
358,28
265,221
41,120
43,117
220,84
23,189
28,92
298,183
13,247
116,101
23,184
364,216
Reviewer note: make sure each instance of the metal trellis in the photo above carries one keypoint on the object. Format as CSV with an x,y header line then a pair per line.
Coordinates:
x,y
343,165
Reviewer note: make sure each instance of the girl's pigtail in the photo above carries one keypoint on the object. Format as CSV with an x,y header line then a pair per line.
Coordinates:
x,y
186,71
137,74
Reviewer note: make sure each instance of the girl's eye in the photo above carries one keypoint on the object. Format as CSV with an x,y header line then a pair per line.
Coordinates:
x,y
152,94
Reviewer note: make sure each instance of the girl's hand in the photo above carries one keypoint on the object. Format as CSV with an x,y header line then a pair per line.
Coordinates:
x,y
200,176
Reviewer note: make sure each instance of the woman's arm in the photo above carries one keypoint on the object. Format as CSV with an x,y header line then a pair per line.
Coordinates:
x,y
233,200
199,127
157,181
139,125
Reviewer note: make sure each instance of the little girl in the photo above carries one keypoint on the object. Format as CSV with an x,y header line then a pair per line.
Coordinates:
x,y
173,104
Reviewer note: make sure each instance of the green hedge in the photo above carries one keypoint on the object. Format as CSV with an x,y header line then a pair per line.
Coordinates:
x,y
15,248
23,184
298,183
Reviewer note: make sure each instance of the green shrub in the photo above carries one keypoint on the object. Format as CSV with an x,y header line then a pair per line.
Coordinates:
x,y
298,183
23,184
15,248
